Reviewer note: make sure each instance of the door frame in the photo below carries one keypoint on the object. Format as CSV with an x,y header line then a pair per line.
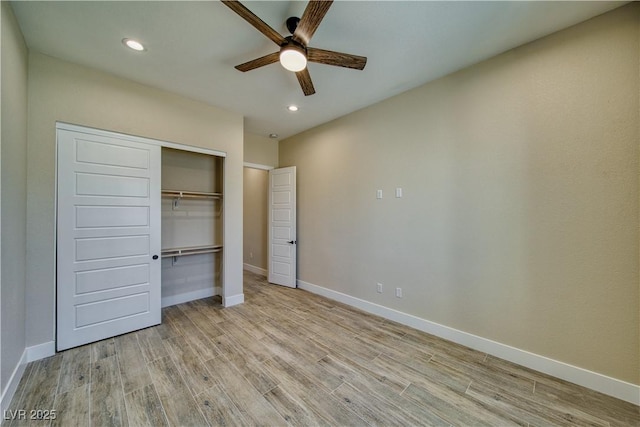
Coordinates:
x,y
293,220
109,134
246,266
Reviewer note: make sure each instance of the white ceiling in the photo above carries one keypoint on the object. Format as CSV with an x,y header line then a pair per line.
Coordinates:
x,y
192,47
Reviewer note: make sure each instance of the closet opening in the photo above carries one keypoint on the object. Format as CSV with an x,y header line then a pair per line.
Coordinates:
x,y
192,225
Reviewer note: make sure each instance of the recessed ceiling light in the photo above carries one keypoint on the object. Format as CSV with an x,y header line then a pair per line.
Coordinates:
x,y
133,44
273,135
292,108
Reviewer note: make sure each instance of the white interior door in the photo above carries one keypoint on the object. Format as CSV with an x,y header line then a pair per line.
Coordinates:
x,y
282,226
108,237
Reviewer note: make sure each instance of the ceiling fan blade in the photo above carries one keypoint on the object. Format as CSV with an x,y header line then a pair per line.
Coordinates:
x,y
338,59
259,62
252,19
311,18
304,78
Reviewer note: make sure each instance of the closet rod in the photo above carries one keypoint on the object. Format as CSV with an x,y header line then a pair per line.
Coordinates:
x,y
191,194
195,250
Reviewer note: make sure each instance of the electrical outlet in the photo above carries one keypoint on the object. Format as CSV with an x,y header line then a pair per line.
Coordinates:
x,y
399,292
378,194
379,288
250,255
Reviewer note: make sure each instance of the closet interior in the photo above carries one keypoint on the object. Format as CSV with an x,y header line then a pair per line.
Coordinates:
x,y
192,201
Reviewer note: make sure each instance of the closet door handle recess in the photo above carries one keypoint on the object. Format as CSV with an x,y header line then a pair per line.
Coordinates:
x,y
155,257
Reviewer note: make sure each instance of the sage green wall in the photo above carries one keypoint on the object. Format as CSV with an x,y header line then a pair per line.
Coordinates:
x,y
62,91
13,152
519,220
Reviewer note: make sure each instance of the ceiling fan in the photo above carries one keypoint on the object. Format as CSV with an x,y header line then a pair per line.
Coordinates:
x,y
294,49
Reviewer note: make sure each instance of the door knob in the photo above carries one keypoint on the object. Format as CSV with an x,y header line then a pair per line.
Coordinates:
x,y
155,257
292,242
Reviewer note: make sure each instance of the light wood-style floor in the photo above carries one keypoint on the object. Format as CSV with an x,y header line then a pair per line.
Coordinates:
x,y
288,357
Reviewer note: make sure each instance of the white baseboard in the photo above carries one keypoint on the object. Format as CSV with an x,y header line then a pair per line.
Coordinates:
x,y
41,351
232,300
254,269
29,354
593,380
187,296
12,385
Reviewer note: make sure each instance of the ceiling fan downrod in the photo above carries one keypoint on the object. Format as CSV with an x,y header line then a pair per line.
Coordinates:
x,y
292,24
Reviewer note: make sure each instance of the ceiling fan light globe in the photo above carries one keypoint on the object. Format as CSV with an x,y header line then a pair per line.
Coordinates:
x,y
293,59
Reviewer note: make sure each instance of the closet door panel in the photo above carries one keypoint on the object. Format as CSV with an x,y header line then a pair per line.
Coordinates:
x,y
108,232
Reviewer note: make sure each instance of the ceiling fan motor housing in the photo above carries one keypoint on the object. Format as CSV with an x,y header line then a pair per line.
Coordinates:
x,y
292,24
292,44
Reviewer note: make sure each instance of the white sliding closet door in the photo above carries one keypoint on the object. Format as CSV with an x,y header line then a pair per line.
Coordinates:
x,y
108,241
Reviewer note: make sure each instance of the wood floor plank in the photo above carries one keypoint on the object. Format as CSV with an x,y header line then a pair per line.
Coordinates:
x,y
348,371
252,403
253,372
103,349
322,403
479,371
367,324
378,391
133,369
202,322
395,327
373,411
240,320
42,385
144,408
151,345
346,347
291,353
177,401
252,346
413,358
193,370
438,346
212,312
254,316
75,369
229,349
246,363
454,407
607,408
72,407
168,328
429,373
291,341
293,410
201,343
522,408
321,376
219,409
107,407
